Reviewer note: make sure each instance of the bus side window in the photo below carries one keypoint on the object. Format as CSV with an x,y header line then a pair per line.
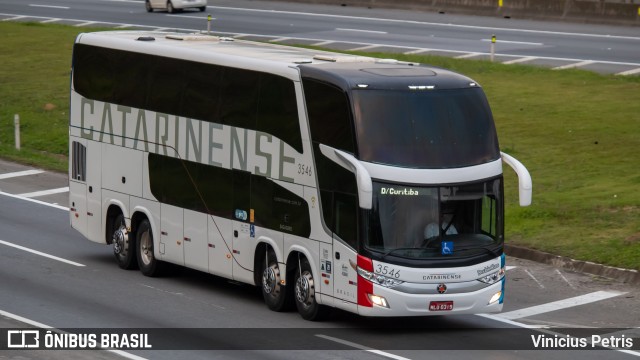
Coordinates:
x,y
329,115
278,110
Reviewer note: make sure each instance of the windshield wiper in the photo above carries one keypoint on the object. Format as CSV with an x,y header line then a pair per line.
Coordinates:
x,y
493,252
396,249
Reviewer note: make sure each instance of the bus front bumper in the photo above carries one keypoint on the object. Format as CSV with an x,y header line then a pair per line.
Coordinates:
x,y
485,300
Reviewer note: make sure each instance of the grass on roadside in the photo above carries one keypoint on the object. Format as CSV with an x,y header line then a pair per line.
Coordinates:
x,y
577,132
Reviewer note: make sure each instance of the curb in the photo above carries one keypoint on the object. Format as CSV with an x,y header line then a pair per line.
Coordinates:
x,y
623,275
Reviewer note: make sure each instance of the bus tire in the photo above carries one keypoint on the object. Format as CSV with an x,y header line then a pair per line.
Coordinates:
x,y
148,264
305,291
170,8
275,295
124,248
147,5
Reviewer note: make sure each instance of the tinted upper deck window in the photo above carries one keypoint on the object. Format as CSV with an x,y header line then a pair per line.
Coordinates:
x,y
425,129
236,97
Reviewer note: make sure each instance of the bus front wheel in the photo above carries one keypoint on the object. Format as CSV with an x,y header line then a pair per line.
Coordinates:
x,y
305,293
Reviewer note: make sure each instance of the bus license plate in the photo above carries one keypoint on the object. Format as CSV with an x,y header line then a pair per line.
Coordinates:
x,y
441,306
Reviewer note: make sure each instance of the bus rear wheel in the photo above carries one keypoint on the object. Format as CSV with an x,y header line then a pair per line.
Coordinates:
x,y
275,294
147,262
124,248
305,293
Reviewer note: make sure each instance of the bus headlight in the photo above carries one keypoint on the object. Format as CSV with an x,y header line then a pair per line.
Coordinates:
x,y
493,277
377,278
378,300
495,297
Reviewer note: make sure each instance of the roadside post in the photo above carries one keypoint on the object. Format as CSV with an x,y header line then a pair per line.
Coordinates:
x,y
16,124
209,24
493,47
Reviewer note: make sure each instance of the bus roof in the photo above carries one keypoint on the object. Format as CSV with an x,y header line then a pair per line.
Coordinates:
x,y
347,71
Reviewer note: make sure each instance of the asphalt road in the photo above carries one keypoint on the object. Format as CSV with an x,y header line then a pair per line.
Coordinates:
x,y
49,274
606,49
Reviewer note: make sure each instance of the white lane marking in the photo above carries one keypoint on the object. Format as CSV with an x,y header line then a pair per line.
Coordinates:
x,y
86,23
280,39
514,42
574,65
190,17
496,317
565,279
15,17
20,173
428,23
49,21
364,48
417,51
466,56
534,278
510,267
41,253
50,6
322,43
560,304
34,201
361,347
164,291
45,192
365,31
629,72
40,325
520,60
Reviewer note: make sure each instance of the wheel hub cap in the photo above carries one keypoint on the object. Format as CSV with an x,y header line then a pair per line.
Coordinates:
x,y
269,279
119,240
303,289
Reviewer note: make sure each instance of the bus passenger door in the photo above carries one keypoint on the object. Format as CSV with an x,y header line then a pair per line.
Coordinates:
x,y
171,235
345,277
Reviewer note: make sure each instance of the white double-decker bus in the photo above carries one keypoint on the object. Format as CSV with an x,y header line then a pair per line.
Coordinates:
x,y
373,186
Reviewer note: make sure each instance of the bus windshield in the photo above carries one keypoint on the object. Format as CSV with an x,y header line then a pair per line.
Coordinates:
x,y
436,222
425,129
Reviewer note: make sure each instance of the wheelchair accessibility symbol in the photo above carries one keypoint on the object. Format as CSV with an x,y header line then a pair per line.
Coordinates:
x,y
446,247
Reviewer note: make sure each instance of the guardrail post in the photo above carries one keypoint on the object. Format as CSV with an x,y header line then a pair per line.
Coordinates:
x,y
209,24
16,124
